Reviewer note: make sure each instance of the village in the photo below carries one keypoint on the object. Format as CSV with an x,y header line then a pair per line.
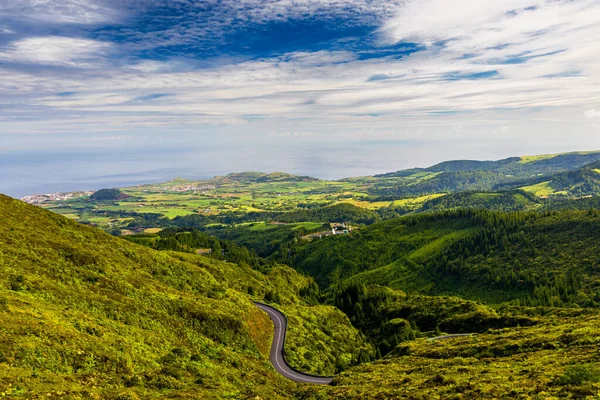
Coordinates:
x,y
58,196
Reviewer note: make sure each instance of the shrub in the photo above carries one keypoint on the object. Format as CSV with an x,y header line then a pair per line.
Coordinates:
x,y
579,374
3,304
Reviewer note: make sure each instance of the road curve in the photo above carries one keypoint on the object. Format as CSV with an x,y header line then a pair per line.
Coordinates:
x,y
277,357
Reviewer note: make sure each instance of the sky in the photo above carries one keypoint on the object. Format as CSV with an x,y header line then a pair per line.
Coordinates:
x,y
96,93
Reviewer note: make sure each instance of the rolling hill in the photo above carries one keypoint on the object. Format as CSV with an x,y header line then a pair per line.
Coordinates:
x,y
464,175
88,315
545,259
577,183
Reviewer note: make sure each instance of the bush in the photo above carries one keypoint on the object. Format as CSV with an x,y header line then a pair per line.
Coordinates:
x,y
579,374
3,304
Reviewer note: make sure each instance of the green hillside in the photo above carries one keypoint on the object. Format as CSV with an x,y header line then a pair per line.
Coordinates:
x,y
525,258
464,175
87,315
554,359
578,183
517,200
108,194
533,165
263,177
221,206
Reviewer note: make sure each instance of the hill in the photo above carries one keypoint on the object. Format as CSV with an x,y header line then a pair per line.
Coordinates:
x,y
261,177
556,358
108,194
516,200
532,165
88,315
577,183
463,175
542,259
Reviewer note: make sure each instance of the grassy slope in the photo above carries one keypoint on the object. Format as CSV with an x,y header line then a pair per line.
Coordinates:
x,y
340,257
556,359
320,338
87,315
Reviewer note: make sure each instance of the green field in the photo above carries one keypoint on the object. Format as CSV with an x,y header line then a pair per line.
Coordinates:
x,y
268,197
540,189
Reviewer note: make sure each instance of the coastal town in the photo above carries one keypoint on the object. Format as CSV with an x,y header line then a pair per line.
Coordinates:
x,y
58,196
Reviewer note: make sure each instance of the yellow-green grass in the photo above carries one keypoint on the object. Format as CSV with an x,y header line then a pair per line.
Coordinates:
x,y
307,225
366,204
167,212
556,359
96,220
423,253
71,215
540,189
89,316
423,176
416,201
528,159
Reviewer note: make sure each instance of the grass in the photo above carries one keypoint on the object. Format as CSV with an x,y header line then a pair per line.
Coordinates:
x,y
417,201
528,159
555,359
540,189
89,316
366,204
225,196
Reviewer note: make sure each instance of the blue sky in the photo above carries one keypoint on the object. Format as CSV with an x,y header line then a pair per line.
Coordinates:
x,y
441,80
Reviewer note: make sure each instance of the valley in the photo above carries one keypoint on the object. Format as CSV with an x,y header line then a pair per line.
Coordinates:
x,y
111,301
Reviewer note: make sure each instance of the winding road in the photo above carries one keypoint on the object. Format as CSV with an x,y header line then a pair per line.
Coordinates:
x,y
277,357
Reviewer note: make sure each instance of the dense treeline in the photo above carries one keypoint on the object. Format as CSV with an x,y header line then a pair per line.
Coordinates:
x,y
271,242
537,259
184,240
389,317
517,200
586,203
574,172
334,258
337,213
445,182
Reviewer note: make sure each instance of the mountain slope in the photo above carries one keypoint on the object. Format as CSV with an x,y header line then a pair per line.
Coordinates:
x,y
557,358
531,165
525,258
461,175
87,315
577,183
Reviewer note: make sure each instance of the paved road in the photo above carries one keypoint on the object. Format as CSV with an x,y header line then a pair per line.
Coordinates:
x,y
277,357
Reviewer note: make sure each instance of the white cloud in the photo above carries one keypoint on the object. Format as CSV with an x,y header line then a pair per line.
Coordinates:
x,y
56,50
519,38
592,114
331,90
59,11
